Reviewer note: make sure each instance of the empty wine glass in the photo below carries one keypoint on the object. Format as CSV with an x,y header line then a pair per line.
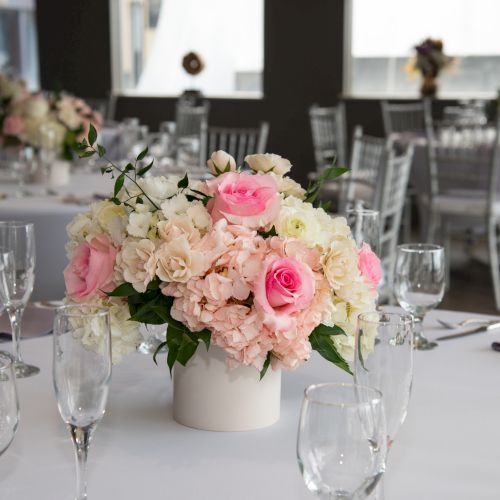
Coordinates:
x,y
341,443
419,284
17,239
365,227
384,360
82,372
9,404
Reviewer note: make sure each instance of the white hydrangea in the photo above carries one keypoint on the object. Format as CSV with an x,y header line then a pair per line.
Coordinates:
x,y
177,205
139,224
159,188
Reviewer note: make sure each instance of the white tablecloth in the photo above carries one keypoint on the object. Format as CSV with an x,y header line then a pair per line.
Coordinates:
x,y
51,215
447,449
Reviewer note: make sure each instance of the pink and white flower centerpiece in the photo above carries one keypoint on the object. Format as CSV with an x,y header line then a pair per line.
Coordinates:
x,y
243,264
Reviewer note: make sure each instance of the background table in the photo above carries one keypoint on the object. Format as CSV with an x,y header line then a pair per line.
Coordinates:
x,y
447,448
51,214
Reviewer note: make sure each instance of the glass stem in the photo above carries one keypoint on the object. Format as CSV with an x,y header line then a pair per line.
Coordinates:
x,y
81,439
15,317
418,329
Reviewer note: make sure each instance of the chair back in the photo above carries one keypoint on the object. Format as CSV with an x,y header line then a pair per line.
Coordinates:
x,y
409,117
368,158
464,162
328,127
393,183
238,142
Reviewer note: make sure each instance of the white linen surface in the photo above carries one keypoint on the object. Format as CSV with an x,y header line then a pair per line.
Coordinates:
x,y
447,448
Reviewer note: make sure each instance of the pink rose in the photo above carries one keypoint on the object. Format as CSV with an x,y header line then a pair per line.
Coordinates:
x,y
90,270
369,265
284,287
244,199
13,125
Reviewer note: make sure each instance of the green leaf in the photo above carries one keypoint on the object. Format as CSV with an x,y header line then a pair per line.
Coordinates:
x,y
123,290
86,154
92,135
326,205
228,167
329,174
205,336
119,183
328,330
187,350
268,234
142,154
158,349
145,169
128,167
360,354
267,362
115,200
324,345
101,150
184,182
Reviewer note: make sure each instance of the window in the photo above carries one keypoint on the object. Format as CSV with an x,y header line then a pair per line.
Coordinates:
x,y
18,44
381,35
151,37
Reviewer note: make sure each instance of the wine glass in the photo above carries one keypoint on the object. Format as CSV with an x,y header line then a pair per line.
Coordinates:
x,y
384,360
17,239
419,284
9,404
365,227
341,443
82,372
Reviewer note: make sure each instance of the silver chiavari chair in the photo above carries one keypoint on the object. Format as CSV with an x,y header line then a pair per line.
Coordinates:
x,y
409,118
464,188
190,120
328,127
238,142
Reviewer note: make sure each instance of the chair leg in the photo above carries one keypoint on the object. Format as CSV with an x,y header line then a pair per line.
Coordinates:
x,y
447,253
407,213
431,226
494,264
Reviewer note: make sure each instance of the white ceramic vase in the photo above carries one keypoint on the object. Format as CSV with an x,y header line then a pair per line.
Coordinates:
x,y
210,396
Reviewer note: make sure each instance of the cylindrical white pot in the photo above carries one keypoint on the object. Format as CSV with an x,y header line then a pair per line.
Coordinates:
x,y
210,396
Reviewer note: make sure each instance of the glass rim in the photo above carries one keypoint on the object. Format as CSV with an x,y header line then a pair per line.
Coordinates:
x,y
343,385
420,247
404,318
16,223
6,361
75,310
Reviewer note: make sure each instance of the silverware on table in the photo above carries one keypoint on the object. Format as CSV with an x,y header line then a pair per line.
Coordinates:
x,y
465,322
479,329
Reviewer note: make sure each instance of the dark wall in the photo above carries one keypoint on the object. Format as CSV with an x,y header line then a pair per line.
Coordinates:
x,y
74,46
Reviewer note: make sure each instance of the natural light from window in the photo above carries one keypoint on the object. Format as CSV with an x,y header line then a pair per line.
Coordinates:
x,y
150,38
384,32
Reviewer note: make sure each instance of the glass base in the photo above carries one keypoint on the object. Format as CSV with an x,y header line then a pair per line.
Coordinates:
x,y
22,370
422,344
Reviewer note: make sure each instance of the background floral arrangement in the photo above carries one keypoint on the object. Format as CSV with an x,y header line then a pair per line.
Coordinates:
x,y
429,59
243,261
22,116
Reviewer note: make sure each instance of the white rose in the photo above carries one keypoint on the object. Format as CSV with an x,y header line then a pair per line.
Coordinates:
x,y
220,161
288,187
340,264
175,206
178,262
268,163
138,224
137,261
35,107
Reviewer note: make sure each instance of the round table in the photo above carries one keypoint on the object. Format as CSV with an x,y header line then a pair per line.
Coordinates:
x,y
447,448
51,214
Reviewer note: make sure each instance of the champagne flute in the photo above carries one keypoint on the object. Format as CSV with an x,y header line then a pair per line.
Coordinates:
x,y
341,443
82,372
384,360
419,284
365,227
17,239
9,403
